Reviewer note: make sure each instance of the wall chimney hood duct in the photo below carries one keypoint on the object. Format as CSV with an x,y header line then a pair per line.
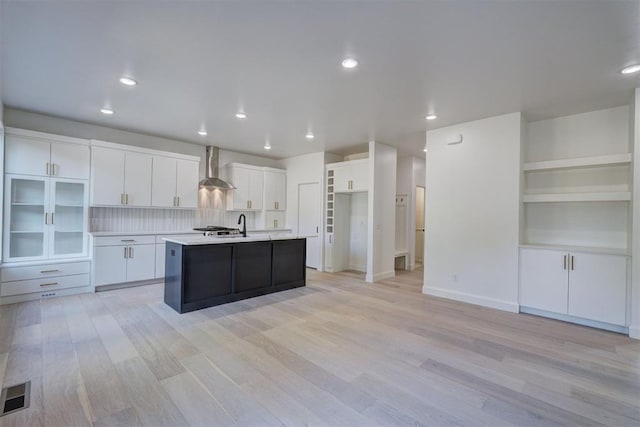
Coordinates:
x,y
211,179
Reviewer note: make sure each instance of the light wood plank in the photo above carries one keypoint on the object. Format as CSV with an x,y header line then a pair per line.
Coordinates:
x,y
113,338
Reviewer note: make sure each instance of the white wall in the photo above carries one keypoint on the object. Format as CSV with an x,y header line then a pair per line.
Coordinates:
x,y
358,220
382,212
634,328
472,212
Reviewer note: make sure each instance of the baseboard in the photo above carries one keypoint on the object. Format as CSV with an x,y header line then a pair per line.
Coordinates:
x,y
358,267
472,299
634,332
576,320
379,276
412,267
103,288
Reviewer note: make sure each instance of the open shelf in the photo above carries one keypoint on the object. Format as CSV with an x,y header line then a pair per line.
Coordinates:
x,y
27,204
569,248
608,160
611,196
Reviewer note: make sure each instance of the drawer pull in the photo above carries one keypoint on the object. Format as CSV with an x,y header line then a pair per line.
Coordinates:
x,y
49,271
48,284
128,240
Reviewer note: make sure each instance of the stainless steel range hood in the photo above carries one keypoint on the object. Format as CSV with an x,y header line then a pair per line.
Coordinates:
x,y
211,179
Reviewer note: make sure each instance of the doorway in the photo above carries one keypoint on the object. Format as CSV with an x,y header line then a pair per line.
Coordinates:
x,y
419,225
309,219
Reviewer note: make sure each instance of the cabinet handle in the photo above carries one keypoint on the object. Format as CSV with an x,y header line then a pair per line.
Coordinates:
x,y
53,216
125,252
47,168
174,200
127,240
178,200
53,169
316,229
48,284
329,238
564,262
247,204
48,271
122,198
46,218
130,252
126,198
571,262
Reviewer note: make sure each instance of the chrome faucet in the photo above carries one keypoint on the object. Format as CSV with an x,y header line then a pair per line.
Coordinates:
x,y
244,224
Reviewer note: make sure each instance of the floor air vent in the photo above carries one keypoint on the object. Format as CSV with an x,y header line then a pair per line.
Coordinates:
x,y
15,398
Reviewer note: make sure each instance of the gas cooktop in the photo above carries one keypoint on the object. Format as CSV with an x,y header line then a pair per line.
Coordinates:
x,y
216,230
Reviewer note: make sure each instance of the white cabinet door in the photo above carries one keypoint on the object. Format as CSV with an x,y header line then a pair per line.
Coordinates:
x,y
70,160
160,251
107,176
188,173
27,156
163,186
360,176
69,212
275,190
274,219
109,265
141,262
544,280
137,179
239,197
341,178
256,189
598,287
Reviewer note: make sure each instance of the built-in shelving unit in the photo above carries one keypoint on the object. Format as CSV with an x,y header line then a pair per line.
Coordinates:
x,y
606,160
603,196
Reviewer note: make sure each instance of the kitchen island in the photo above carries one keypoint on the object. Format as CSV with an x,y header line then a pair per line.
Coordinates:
x,y
203,271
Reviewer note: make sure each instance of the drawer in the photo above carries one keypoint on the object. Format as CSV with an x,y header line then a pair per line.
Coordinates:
x,y
123,240
43,285
10,274
175,236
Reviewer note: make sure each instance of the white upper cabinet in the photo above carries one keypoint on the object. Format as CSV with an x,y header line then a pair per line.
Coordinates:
x,y
137,179
351,176
39,154
275,190
175,182
249,183
107,176
124,175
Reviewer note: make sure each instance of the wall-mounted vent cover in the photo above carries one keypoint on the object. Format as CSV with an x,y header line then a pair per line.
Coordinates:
x,y
15,398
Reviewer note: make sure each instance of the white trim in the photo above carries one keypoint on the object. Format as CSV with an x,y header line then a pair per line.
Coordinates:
x,y
602,196
136,149
634,332
44,136
380,276
472,299
606,160
576,320
345,163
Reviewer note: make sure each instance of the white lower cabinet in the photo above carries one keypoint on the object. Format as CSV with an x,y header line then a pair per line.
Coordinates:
x,y
589,286
124,259
29,282
160,250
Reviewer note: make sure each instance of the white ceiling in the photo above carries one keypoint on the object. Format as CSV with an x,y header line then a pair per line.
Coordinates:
x,y
199,62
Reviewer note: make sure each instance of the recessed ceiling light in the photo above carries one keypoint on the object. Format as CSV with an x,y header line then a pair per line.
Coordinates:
x,y
630,69
431,117
267,146
128,81
309,135
107,111
202,132
349,63
241,115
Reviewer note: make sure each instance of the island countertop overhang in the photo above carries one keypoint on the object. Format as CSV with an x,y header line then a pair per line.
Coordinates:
x,y
217,240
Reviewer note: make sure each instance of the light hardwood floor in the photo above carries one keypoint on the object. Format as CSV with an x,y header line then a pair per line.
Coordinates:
x,y
337,352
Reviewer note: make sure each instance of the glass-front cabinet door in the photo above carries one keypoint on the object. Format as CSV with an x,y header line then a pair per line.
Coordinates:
x,y
68,224
27,222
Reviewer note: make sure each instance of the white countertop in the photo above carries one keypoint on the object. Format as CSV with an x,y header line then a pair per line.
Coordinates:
x,y
214,240
168,233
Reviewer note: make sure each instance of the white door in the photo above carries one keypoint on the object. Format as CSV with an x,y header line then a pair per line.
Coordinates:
x,y
109,265
310,219
141,262
275,188
256,188
188,173
70,160
69,212
27,156
598,287
163,185
160,251
544,279
137,179
419,257
107,176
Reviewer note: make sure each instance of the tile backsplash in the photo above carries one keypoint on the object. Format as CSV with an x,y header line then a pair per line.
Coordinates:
x,y
211,212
